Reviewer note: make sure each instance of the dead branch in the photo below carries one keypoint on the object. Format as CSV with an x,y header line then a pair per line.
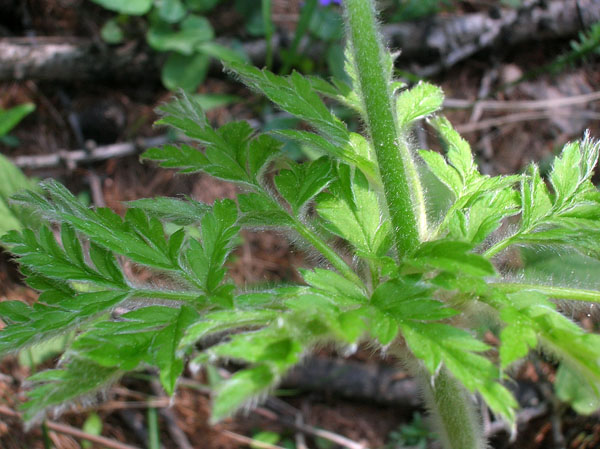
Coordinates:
x,y
438,42
372,383
442,41
521,105
72,431
72,158
551,106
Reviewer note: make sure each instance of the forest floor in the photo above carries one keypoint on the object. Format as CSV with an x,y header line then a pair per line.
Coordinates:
x,y
106,113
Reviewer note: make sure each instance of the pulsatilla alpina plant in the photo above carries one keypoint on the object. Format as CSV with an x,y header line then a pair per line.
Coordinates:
x,y
418,283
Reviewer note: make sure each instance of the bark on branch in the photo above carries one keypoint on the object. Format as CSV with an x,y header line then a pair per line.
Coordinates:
x,y
440,42
357,381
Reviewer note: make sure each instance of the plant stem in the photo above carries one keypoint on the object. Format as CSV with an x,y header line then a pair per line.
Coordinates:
x,y
574,294
309,235
172,295
454,414
401,184
334,258
46,436
153,430
501,245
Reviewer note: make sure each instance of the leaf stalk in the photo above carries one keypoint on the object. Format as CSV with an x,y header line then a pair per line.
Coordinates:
x,y
574,294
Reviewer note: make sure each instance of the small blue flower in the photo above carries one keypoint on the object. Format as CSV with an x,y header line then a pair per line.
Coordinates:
x,y
329,2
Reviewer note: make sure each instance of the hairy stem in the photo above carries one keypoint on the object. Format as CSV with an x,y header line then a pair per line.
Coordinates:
x,y
453,413
401,184
309,235
574,294
501,245
334,258
171,295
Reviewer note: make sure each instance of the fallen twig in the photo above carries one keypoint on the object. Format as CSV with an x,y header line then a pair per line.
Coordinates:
x,y
72,431
524,416
82,156
178,435
249,441
519,117
71,158
439,41
494,105
279,406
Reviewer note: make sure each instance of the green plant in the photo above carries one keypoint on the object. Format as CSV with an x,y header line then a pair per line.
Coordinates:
x,y
406,10
13,180
414,281
178,28
414,435
9,118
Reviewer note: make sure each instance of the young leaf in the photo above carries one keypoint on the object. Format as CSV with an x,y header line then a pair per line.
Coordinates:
x,y
59,315
12,180
263,346
240,389
447,174
178,211
436,343
340,91
451,256
405,300
355,152
295,95
568,216
194,30
230,152
9,118
517,338
556,334
352,211
45,257
55,387
582,396
136,237
219,231
220,321
458,150
422,100
262,210
334,285
225,155
301,182
484,216
535,199
148,335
